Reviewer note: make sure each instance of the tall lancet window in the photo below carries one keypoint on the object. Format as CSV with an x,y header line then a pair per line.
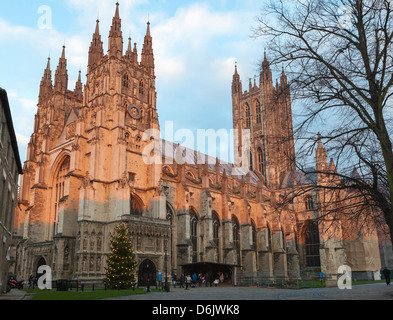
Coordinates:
x,y
236,237
126,80
194,234
59,187
248,116
258,111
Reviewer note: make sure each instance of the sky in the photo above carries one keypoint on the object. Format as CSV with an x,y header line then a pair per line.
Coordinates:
x,y
196,45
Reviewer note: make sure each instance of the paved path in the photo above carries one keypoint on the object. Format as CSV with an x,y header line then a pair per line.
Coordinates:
x,y
379,291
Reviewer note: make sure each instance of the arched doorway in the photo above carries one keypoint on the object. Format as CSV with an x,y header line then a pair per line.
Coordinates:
x,y
41,262
147,273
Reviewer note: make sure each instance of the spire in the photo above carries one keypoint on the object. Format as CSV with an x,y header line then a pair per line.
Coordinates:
x,y
265,63
46,82
332,166
147,50
266,73
78,87
236,86
130,54
96,51
116,36
117,15
61,76
321,156
283,79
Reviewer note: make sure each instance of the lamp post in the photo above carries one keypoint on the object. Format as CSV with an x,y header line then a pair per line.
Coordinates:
x,y
166,269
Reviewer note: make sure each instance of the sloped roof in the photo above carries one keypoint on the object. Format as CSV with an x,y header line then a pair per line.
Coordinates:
x,y
308,176
171,151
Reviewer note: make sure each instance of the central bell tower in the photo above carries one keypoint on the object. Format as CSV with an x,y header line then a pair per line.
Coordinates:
x,y
265,111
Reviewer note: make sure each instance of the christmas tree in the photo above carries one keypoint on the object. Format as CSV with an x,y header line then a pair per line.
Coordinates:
x,y
121,270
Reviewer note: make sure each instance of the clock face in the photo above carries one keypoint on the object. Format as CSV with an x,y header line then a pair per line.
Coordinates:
x,y
135,112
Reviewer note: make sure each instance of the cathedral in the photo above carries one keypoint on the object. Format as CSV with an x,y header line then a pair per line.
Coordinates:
x,y
86,171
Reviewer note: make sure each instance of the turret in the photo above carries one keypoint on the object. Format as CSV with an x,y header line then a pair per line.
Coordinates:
x,y
116,36
96,51
147,51
46,82
236,84
131,55
61,76
266,73
78,88
321,156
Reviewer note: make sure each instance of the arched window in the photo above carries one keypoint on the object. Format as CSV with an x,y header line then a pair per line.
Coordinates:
x,y
59,187
136,207
258,111
170,218
254,234
261,162
138,142
309,202
190,175
251,162
141,87
269,238
216,233
284,239
126,80
311,234
248,115
194,235
236,237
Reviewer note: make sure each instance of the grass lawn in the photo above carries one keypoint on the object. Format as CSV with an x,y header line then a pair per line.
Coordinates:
x,y
97,294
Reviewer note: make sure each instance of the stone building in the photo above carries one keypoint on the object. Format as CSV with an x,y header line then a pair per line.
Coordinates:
x,y
88,168
10,168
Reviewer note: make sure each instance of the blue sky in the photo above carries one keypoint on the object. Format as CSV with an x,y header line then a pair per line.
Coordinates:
x,y
196,45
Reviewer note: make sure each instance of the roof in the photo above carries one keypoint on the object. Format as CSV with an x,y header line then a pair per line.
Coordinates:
x,y
169,150
308,176
8,117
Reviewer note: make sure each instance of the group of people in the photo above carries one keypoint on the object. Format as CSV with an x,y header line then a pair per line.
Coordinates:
x,y
193,281
33,281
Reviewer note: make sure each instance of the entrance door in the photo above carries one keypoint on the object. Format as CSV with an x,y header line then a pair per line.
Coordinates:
x,y
40,263
147,274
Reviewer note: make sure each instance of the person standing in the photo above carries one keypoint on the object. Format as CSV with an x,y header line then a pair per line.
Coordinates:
x,y
181,285
386,273
174,279
207,279
159,279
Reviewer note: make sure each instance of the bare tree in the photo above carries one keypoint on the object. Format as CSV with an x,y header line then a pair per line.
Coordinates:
x,y
339,59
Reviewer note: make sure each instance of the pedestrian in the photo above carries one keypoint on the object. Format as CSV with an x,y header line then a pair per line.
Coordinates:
x,y
222,278
31,281
159,279
206,279
174,279
181,284
35,281
194,280
188,281
321,277
386,273
200,276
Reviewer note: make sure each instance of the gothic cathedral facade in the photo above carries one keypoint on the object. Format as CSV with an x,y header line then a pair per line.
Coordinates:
x,y
85,172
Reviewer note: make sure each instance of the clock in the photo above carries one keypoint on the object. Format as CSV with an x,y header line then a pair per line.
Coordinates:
x,y
135,112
